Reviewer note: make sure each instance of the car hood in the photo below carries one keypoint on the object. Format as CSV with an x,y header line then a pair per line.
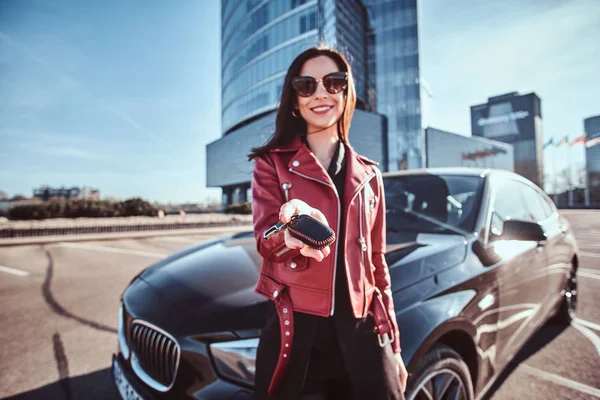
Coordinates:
x,y
216,281
413,257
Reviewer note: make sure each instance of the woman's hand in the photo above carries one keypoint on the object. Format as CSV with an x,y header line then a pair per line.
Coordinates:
x,y
401,369
296,206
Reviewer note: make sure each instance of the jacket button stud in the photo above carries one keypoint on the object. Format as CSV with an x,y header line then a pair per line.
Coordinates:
x,y
287,322
293,265
275,293
287,345
296,163
285,310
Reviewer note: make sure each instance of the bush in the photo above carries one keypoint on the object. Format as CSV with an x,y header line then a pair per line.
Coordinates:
x,y
239,208
83,209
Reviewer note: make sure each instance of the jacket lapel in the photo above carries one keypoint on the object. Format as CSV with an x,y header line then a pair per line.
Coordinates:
x,y
356,174
305,163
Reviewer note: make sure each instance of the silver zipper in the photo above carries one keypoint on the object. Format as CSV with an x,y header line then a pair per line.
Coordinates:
x,y
338,230
286,187
363,247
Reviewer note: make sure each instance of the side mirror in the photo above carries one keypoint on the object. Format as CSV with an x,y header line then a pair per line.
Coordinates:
x,y
522,230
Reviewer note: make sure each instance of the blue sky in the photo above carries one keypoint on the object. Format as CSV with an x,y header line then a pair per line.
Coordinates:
x,y
124,96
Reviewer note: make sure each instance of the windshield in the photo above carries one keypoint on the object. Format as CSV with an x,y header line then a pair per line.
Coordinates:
x,y
418,203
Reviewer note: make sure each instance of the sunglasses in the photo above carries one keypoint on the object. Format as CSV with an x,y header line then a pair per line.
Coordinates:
x,y
334,82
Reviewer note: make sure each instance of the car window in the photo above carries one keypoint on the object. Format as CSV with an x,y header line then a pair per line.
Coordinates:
x,y
538,207
450,199
508,204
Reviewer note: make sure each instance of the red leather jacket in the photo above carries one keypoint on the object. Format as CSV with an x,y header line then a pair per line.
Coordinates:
x,y
293,172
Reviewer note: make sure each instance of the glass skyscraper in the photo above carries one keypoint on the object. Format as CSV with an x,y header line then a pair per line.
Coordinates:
x,y
592,157
394,57
260,39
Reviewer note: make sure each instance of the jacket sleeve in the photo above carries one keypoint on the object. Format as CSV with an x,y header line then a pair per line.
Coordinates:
x,y
267,200
381,272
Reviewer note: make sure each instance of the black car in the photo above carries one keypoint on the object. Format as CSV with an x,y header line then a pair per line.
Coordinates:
x,y
479,260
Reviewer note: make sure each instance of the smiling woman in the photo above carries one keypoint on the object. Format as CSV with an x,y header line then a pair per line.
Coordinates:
x,y
331,330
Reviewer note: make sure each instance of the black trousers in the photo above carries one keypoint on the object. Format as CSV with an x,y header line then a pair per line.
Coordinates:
x,y
332,358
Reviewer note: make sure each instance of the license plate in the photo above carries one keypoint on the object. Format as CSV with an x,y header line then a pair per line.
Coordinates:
x,y
125,389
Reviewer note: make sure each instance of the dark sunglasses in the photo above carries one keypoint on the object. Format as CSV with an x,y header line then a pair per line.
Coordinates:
x,y
334,82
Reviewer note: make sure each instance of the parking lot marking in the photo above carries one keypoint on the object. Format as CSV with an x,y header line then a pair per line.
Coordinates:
x,y
13,271
559,380
587,324
176,239
589,271
595,339
111,249
586,275
587,254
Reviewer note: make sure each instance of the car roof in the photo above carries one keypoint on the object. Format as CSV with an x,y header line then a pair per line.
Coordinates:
x,y
484,173
442,171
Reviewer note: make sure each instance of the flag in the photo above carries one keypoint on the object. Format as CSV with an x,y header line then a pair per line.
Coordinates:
x,y
562,141
549,142
580,139
592,142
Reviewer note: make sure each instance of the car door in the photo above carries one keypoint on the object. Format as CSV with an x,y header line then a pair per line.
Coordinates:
x,y
522,275
556,248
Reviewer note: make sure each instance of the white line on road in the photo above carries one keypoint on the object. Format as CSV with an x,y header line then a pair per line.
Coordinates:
x,y
176,239
595,339
587,324
13,271
585,253
111,249
559,380
589,271
586,275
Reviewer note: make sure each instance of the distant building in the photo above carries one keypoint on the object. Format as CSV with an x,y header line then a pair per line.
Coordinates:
x,y
447,149
46,193
517,120
592,157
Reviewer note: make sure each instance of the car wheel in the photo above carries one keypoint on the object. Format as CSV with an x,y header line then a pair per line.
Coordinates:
x,y
568,305
442,374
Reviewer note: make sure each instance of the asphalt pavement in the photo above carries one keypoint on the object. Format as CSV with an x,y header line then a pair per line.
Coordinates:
x,y
60,303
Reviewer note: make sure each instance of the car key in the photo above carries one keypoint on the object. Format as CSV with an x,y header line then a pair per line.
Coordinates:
x,y
307,229
278,227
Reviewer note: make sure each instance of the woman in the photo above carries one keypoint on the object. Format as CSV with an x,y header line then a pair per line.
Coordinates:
x,y
320,340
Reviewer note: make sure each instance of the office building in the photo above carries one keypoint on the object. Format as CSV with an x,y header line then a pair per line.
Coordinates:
x,y
46,193
447,149
517,120
592,157
260,39
394,58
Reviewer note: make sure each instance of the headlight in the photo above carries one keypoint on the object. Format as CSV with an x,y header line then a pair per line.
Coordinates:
x,y
121,333
236,360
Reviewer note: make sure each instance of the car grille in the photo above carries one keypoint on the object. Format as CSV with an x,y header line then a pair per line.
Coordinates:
x,y
155,355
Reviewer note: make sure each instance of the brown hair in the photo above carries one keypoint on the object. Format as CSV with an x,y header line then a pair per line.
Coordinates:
x,y
286,125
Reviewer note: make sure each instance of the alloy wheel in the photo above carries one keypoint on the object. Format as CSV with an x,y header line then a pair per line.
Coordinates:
x,y
443,384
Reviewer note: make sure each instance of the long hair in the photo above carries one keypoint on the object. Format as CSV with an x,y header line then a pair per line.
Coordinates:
x,y
286,125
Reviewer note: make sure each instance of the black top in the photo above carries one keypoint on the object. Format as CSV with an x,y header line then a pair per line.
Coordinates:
x,y
326,359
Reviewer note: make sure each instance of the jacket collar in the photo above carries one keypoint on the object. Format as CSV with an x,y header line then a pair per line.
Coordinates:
x,y
359,168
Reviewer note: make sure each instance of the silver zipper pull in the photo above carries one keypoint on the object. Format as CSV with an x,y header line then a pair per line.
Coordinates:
x,y
363,243
286,187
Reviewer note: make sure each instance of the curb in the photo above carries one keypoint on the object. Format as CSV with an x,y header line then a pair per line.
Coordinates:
x,y
121,235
